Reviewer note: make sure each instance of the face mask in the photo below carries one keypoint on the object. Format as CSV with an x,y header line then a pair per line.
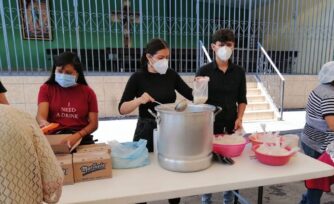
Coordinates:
x,y
224,53
65,80
161,66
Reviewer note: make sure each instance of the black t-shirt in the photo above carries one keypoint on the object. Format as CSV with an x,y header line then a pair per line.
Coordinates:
x,y
225,89
2,88
159,86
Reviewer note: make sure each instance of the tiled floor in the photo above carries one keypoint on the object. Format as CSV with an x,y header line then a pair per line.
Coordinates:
x,y
122,131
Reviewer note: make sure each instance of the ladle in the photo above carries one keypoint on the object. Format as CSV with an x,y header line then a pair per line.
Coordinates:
x,y
181,106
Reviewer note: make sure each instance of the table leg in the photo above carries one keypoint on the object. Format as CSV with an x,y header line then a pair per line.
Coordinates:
x,y
259,194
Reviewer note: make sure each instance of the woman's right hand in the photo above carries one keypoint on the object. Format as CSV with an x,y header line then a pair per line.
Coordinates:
x,y
43,123
145,98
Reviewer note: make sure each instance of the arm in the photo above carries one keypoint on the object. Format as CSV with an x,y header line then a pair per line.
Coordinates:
x,y
242,101
129,106
3,99
330,122
91,127
327,111
129,102
241,111
42,114
183,88
43,106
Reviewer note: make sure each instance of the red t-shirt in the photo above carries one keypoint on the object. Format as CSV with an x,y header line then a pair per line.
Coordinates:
x,y
68,106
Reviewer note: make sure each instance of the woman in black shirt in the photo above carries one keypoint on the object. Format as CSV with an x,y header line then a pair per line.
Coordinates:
x,y
154,82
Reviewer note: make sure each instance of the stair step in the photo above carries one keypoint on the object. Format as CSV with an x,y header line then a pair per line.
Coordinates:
x,y
255,98
259,115
253,91
251,85
257,106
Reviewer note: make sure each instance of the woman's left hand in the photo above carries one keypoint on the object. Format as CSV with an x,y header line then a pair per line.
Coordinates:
x,y
237,124
71,139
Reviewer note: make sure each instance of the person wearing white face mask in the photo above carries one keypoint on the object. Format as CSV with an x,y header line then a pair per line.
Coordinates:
x,y
154,82
66,98
227,89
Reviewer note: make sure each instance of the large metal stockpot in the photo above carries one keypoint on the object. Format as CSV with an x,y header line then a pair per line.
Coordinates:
x,y
184,141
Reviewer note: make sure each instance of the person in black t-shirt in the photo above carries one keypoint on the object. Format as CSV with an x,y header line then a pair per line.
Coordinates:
x,y
227,89
3,99
154,82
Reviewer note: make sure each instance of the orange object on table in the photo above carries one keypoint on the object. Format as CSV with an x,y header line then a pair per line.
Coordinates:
x,y
48,128
323,183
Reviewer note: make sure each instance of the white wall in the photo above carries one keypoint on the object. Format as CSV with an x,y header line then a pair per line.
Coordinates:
x,y
23,91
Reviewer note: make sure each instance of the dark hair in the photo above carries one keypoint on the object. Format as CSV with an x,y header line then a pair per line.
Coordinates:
x,y
223,35
63,59
152,47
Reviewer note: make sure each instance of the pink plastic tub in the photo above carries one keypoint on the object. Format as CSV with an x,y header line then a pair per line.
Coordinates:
x,y
229,150
271,159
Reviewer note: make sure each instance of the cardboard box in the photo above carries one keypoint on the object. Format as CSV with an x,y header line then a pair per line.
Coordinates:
x,y
66,163
57,147
91,165
99,147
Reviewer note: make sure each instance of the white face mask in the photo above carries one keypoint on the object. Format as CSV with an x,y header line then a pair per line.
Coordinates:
x,y
224,53
161,66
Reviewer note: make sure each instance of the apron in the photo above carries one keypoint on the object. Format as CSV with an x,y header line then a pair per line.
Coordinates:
x,y
144,130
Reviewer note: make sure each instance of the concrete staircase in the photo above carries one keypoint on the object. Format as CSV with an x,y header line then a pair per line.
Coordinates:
x,y
258,108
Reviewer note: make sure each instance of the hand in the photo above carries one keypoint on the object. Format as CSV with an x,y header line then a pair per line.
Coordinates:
x,y
43,123
145,98
71,139
237,124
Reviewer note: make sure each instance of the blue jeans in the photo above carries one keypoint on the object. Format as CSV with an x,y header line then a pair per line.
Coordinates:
x,y
311,196
228,198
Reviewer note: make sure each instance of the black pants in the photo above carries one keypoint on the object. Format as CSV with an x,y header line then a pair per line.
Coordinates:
x,y
144,130
88,139
221,127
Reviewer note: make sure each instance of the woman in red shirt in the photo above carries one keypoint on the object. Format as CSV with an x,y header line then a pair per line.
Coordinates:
x,y
65,98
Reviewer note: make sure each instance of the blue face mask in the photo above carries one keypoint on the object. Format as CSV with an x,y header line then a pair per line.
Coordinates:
x,y
65,80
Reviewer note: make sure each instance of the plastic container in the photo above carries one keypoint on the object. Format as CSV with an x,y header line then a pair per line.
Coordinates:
x,y
271,160
255,139
229,150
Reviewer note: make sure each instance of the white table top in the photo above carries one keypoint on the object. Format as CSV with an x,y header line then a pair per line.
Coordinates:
x,y
152,182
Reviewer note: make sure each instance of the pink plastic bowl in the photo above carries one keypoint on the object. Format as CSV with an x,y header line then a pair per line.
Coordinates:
x,y
270,159
229,150
254,139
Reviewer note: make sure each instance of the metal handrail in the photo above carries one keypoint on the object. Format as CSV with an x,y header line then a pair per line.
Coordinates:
x,y
278,73
200,59
205,51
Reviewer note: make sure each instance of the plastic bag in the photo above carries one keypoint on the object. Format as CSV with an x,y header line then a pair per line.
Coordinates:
x,y
129,154
200,91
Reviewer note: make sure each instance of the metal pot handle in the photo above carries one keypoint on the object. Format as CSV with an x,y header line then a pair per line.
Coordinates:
x,y
218,110
157,118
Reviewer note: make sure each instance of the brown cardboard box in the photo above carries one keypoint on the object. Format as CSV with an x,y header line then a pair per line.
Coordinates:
x,y
57,147
66,163
98,147
91,165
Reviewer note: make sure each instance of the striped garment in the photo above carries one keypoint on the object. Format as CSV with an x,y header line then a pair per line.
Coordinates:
x,y
316,133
